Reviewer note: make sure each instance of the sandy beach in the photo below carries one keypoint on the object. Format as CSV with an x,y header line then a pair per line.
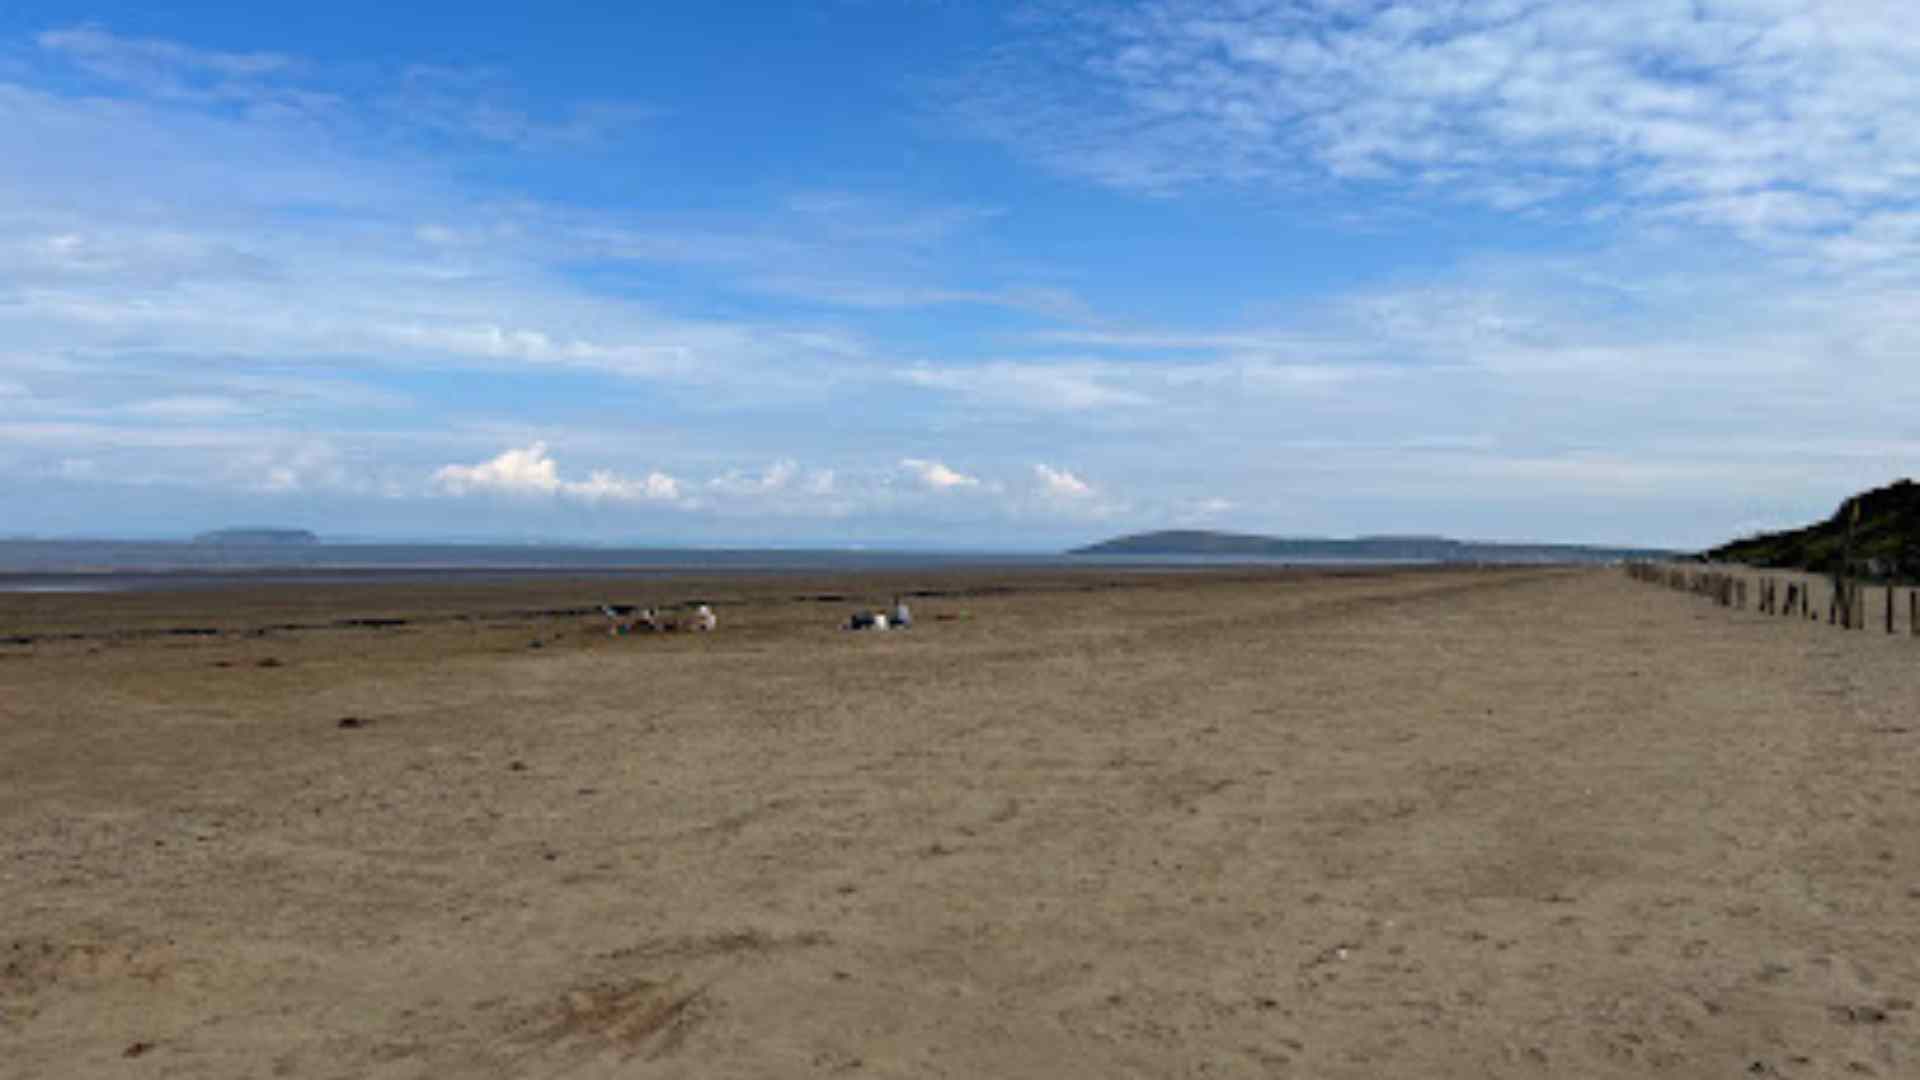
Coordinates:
x,y
1411,823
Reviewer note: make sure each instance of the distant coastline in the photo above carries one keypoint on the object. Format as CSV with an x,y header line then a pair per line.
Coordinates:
x,y
257,536
260,556
1422,549
126,565
116,565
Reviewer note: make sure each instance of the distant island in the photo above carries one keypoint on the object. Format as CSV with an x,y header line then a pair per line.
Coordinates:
x,y
1886,537
1200,542
257,536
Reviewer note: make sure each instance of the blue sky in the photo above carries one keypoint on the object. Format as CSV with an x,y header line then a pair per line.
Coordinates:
x,y
957,275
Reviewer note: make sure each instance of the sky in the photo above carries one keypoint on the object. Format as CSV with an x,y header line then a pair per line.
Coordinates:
x,y
957,275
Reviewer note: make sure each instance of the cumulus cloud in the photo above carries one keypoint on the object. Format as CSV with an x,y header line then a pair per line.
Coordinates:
x,y
1061,495
1061,484
937,476
528,471
601,484
775,477
531,471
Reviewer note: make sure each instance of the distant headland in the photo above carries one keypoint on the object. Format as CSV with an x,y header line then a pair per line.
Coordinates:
x,y
257,536
1200,542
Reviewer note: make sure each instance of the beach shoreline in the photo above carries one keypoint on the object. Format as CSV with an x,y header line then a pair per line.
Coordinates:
x,y
1389,822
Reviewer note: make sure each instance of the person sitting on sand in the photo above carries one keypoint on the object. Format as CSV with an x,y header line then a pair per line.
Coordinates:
x,y
902,618
702,619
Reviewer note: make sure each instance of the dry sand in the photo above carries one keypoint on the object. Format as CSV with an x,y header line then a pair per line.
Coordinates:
x,y
1411,824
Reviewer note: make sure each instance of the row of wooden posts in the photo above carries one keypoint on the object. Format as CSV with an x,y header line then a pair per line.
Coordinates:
x,y
1845,606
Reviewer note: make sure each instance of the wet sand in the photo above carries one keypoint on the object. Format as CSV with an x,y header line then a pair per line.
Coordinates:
x,y
1385,824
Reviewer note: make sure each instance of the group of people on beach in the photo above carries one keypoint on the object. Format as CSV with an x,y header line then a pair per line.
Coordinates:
x,y
648,621
901,618
702,619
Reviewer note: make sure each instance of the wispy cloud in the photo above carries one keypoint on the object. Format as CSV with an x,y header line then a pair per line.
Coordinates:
x,y
246,273
1786,122
1047,385
471,104
163,68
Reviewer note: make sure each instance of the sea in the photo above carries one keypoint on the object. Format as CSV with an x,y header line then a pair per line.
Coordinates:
x,y
138,565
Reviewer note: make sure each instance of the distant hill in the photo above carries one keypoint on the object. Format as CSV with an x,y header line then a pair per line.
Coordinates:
x,y
1886,540
257,536
1200,542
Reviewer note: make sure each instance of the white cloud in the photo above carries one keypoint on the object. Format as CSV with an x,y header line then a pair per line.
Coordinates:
x,y
92,44
774,478
1779,119
937,476
1061,484
531,471
288,466
189,407
280,478
1045,385
601,484
163,68
190,255
463,103
258,283
1058,494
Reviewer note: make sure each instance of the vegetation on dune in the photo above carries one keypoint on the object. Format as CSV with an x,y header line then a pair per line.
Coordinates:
x,y
1886,538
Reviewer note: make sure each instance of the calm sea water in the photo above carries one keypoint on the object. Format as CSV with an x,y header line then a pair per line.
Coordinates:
x,y
97,566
